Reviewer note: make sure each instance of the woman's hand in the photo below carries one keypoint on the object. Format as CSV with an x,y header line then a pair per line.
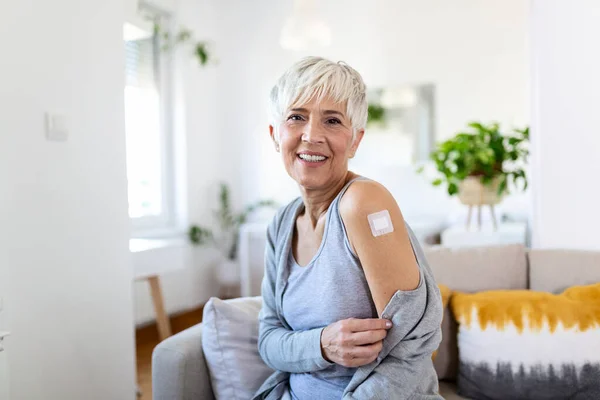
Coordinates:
x,y
354,342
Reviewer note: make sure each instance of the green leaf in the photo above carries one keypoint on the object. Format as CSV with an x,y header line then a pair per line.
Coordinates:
x,y
486,180
503,185
199,235
436,182
202,53
452,189
477,126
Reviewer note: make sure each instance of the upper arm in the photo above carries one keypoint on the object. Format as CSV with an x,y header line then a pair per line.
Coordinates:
x,y
388,260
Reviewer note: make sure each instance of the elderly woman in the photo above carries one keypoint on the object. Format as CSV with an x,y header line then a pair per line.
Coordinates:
x,y
350,308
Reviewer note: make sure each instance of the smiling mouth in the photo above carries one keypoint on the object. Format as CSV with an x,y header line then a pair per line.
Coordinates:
x,y
311,158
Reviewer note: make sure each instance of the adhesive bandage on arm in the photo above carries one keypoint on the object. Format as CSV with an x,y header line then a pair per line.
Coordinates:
x,y
380,223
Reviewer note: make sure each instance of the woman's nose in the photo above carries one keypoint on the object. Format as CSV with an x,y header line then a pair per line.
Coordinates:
x,y
313,133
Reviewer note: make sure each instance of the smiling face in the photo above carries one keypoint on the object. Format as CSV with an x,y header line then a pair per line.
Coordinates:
x,y
316,141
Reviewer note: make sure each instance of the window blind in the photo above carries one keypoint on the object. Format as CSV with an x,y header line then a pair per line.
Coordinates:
x,y
140,63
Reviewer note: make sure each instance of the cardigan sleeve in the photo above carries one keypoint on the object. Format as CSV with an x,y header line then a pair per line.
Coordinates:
x,y
404,369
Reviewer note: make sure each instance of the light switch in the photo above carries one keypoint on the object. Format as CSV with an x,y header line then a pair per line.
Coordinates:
x,y
57,127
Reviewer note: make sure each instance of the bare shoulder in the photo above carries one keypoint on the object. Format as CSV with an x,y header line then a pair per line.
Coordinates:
x,y
364,197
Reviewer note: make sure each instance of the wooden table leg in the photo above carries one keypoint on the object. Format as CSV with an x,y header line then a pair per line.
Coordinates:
x,y
162,319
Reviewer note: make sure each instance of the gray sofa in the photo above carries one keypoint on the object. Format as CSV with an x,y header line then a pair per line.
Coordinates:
x,y
179,370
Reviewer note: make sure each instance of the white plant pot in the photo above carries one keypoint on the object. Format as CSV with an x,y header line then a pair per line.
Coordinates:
x,y
472,192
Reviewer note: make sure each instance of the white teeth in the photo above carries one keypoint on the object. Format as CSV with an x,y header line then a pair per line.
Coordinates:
x,y
307,157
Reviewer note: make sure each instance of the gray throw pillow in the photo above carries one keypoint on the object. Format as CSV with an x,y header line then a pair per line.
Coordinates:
x,y
230,345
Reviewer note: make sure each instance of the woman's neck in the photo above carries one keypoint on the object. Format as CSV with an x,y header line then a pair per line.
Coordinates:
x,y
316,202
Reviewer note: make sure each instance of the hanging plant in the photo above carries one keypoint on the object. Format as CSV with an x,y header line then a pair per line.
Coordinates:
x,y
183,37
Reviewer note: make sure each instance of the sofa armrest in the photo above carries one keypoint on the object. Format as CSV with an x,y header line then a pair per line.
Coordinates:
x,y
179,371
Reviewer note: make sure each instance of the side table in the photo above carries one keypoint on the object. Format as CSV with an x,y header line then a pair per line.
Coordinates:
x,y
151,259
162,319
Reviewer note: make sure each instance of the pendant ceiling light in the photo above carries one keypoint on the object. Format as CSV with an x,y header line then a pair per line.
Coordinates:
x,y
304,30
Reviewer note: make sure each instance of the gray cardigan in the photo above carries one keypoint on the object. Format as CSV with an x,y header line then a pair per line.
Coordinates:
x,y
404,368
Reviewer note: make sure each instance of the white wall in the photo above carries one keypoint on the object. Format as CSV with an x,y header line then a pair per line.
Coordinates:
x,y
476,53
565,119
4,377
65,229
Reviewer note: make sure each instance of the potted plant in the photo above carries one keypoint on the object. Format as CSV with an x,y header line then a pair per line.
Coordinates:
x,y
479,165
225,238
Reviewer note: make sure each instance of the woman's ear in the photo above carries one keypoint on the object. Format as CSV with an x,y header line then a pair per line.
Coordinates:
x,y
273,138
356,141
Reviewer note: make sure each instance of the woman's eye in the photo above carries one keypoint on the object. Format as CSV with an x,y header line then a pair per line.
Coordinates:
x,y
333,121
295,117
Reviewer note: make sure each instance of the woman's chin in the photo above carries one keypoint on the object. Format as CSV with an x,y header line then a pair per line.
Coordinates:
x,y
314,180
311,180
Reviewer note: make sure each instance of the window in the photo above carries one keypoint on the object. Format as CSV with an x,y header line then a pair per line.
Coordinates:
x,y
148,128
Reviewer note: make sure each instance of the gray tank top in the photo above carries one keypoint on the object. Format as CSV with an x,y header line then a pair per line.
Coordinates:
x,y
330,288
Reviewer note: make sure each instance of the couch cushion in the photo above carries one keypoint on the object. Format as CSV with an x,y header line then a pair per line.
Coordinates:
x,y
554,270
446,358
471,270
517,344
446,293
479,268
230,345
448,391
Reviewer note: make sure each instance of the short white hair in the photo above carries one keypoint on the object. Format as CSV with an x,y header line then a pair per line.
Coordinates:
x,y
317,76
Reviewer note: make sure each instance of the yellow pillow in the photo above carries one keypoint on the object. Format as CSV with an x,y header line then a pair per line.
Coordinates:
x,y
446,292
527,344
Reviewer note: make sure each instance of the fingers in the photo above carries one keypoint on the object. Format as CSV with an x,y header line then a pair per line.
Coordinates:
x,y
354,342
368,350
361,355
367,324
366,337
